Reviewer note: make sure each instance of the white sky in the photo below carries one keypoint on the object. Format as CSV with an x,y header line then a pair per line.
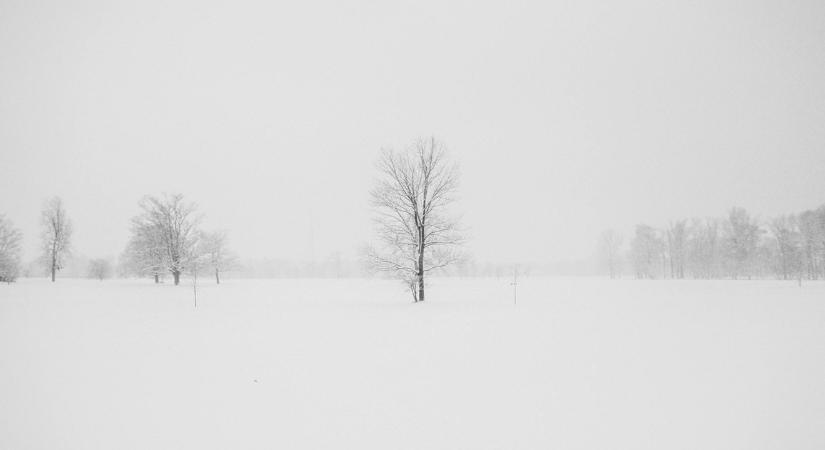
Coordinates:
x,y
566,117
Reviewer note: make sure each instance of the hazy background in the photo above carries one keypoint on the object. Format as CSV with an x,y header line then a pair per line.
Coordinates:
x,y
566,118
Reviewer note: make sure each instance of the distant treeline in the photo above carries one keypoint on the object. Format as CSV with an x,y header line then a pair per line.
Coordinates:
x,y
735,246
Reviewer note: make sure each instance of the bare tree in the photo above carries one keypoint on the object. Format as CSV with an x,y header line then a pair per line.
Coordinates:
x,y
56,235
741,234
812,237
645,251
704,248
167,227
610,243
214,248
411,198
100,269
677,236
817,235
10,248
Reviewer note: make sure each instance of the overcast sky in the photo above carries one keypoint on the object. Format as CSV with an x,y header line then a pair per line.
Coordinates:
x,y
566,117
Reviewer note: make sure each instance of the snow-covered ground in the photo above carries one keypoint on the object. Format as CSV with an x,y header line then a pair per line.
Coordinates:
x,y
351,364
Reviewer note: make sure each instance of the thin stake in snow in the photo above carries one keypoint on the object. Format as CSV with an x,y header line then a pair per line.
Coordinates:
x,y
514,283
195,286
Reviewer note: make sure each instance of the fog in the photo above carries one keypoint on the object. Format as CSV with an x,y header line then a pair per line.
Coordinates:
x,y
565,118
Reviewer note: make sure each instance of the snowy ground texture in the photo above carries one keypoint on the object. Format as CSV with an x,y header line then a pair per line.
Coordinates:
x,y
350,364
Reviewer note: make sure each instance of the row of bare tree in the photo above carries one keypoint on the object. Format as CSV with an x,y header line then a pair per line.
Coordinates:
x,y
55,238
417,234
736,246
165,239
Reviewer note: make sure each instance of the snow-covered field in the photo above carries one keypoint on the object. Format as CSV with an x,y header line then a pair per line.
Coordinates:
x,y
350,364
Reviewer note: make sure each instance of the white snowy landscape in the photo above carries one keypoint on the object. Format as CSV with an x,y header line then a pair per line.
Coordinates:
x,y
412,225
330,364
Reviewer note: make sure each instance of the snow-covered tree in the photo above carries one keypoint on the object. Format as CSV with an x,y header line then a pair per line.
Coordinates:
x,y
610,243
165,233
812,231
735,246
820,234
704,248
645,251
412,198
809,235
10,248
216,254
56,235
144,254
99,268
741,237
677,236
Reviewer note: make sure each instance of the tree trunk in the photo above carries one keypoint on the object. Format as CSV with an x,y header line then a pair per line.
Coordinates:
x,y
217,277
421,263
420,286
54,266
157,279
176,276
